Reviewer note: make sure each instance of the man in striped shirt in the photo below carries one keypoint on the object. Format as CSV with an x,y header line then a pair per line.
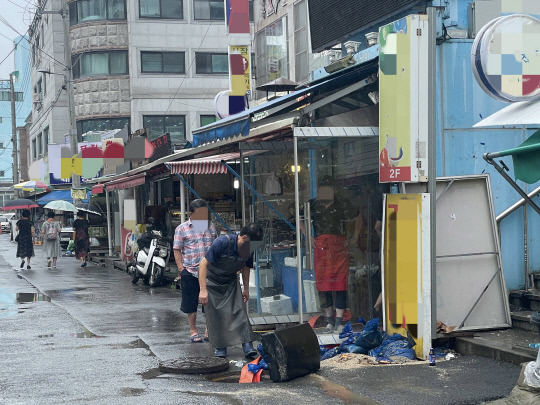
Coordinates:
x,y
192,239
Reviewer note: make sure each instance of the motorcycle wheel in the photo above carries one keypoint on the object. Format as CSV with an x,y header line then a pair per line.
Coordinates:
x,y
155,276
134,277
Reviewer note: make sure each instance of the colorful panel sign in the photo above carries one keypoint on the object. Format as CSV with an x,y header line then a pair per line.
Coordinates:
x,y
505,58
240,72
403,100
237,16
406,269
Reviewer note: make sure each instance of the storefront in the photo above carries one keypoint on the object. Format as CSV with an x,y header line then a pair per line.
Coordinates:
x,y
319,147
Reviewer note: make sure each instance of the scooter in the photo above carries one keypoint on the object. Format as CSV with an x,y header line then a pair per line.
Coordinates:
x,y
150,260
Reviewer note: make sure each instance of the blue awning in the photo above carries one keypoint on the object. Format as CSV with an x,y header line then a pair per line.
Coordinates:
x,y
239,124
64,195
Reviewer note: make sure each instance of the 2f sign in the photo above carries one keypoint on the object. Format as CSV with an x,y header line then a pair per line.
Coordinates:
x,y
394,174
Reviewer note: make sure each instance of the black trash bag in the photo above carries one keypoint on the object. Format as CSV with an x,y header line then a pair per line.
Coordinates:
x,y
144,241
371,336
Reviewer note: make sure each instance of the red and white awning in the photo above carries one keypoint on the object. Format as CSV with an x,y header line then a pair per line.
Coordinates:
x,y
208,164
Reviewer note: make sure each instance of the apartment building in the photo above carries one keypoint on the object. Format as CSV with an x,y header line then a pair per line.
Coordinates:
x,y
155,64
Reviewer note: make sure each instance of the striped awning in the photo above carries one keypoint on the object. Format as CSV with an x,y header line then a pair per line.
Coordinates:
x,y
208,164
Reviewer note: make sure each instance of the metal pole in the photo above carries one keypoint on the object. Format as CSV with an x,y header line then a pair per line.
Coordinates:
x,y
432,156
298,235
109,225
75,179
242,189
14,134
182,202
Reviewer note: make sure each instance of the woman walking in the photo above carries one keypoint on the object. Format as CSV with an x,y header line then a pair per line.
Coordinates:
x,y
81,237
25,243
51,239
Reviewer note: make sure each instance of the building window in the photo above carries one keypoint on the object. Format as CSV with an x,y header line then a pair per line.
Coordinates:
x,y
271,46
165,9
301,42
2,173
105,124
174,125
34,149
100,64
211,63
207,119
214,10
39,145
163,62
96,10
46,141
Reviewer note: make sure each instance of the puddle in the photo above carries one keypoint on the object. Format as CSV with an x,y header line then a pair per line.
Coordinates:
x,y
10,301
343,393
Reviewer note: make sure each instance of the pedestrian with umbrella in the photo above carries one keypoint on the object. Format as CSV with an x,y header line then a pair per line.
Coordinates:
x,y
81,237
51,238
25,238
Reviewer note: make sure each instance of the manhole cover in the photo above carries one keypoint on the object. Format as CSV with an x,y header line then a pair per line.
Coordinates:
x,y
194,365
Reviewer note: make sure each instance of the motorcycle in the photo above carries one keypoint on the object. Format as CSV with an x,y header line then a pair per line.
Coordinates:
x,y
150,260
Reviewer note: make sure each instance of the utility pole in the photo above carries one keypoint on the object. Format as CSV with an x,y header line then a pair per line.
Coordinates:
x,y
14,134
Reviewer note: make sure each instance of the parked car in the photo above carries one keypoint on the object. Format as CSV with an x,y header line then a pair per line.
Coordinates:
x,y
5,222
66,234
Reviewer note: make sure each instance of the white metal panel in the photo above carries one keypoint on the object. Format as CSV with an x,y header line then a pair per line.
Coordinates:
x,y
520,113
469,275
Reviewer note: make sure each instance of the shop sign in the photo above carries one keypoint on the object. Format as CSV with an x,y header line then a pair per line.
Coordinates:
x,y
406,268
403,100
162,147
240,77
237,16
505,58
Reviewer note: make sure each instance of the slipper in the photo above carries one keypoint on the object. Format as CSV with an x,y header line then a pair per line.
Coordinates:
x,y
196,339
329,328
206,338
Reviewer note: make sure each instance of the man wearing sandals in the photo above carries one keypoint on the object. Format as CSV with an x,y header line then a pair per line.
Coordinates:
x,y
192,239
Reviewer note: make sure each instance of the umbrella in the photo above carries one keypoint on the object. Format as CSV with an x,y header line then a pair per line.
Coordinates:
x,y
19,204
87,207
61,205
32,185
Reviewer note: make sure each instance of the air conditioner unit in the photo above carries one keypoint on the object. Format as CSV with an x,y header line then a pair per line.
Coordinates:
x,y
37,98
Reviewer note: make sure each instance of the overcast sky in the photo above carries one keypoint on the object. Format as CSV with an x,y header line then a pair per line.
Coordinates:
x,y
18,14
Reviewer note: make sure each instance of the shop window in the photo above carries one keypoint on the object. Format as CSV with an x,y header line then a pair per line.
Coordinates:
x,y
105,124
174,125
163,62
83,11
100,64
207,119
165,9
211,63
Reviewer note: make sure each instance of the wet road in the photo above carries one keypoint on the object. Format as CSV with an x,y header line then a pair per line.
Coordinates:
x,y
87,335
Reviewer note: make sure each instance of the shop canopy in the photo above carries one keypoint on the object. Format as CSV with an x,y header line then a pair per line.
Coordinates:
x,y
208,164
521,113
239,124
64,195
126,182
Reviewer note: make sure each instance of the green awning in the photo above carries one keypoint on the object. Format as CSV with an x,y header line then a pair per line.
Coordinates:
x,y
526,159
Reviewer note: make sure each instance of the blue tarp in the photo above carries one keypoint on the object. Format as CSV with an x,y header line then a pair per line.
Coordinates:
x,y
64,195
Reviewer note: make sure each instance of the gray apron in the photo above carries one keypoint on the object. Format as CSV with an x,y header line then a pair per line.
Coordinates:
x,y
226,315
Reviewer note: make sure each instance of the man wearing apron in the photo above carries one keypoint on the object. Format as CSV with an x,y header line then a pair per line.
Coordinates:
x,y
220,293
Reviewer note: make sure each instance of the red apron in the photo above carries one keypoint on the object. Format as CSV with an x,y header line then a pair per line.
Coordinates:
x,y
331,263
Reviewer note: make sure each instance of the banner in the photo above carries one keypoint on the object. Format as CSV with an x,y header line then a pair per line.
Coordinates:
x,y
240,74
